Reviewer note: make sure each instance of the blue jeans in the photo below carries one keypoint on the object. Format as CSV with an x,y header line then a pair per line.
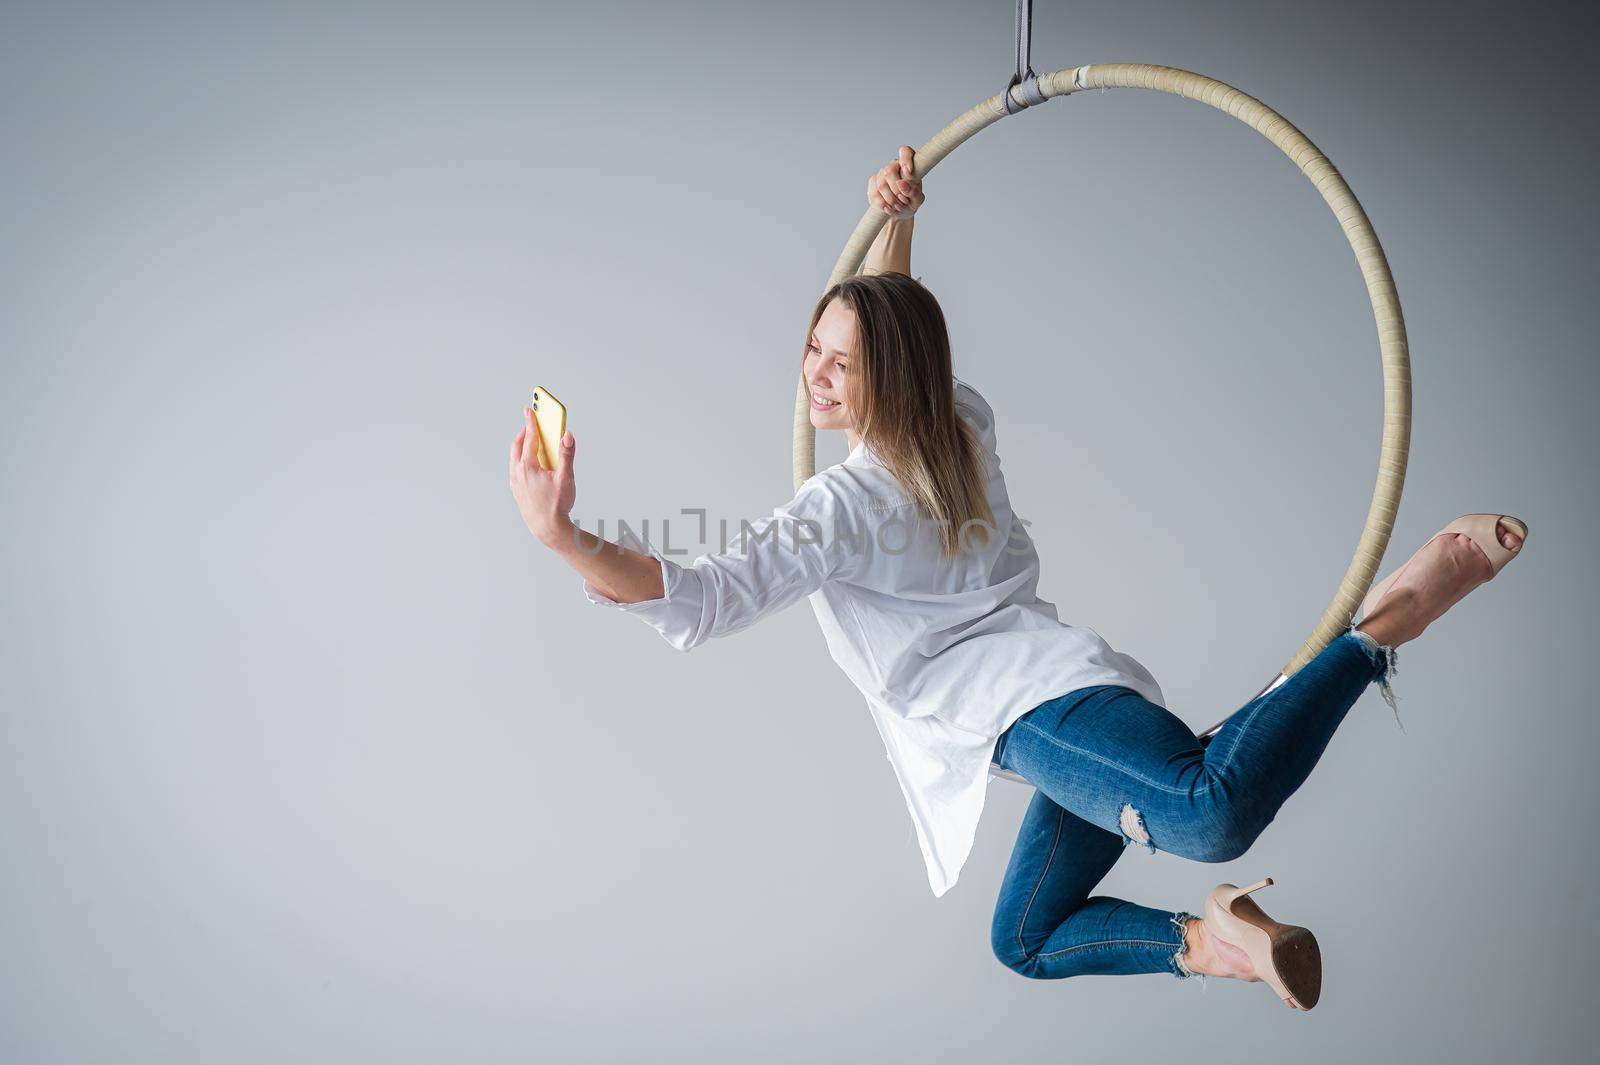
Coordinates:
x,y
1112,768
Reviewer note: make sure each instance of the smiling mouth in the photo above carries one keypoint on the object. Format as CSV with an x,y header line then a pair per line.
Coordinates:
x,y
818,403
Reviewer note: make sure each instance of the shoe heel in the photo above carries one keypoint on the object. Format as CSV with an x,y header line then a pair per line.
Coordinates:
x,y
1286,957
1265,881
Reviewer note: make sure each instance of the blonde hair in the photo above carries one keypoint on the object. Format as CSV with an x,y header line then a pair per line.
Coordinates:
x,y
904,401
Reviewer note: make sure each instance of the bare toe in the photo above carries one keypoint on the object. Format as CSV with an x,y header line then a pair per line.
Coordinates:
x,y
1509,539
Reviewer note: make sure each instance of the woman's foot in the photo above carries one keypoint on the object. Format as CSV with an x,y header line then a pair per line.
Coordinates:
x,y
1439,577
1210,956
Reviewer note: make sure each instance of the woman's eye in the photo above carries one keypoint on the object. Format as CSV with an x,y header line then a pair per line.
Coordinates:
x,y
842,367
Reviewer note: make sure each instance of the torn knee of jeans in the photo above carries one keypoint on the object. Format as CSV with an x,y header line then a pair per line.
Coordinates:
x,y
1133,828
1384,659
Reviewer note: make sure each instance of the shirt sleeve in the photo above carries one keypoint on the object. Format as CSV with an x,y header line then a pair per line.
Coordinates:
x,y
977,411
773,562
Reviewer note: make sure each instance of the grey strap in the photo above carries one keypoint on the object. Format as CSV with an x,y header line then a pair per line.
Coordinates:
x,y
1024,75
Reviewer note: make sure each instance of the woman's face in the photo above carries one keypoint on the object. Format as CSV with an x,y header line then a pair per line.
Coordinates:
x,y
828,368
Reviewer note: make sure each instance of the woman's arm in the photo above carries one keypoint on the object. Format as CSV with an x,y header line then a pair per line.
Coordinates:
x,y
896,190
891,252
619,573
775,561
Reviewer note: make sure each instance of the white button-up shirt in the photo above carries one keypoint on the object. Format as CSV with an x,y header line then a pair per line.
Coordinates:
x,y
947,651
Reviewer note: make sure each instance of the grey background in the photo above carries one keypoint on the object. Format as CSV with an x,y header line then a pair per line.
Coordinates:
x,y
309,752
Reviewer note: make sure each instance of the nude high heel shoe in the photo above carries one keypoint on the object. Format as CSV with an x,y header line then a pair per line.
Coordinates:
x,y
1285,956
1480,528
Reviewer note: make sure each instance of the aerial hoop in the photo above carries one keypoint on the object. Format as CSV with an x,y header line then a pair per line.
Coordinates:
x,y
1394,354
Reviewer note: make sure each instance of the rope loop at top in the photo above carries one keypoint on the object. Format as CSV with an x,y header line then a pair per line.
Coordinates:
x,y
1024,76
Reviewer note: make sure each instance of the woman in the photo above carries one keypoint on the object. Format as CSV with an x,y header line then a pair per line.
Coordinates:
x,y
924,582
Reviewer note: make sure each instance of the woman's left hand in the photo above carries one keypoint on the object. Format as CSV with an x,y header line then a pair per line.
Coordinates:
x,y
545,497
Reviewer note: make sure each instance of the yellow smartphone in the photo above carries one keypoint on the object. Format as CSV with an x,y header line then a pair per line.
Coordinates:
x,y
551,419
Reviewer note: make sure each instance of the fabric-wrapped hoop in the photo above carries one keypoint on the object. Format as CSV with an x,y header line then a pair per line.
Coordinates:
x,y
1392,348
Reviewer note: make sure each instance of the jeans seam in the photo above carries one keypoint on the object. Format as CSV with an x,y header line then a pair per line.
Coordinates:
x,y
1061,817
1118,767
1244,726
1105,943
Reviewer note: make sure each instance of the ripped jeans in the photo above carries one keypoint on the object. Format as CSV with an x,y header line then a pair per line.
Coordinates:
x,y
1111,768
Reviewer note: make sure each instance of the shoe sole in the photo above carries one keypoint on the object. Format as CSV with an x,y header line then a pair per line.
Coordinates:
x,y
1295,955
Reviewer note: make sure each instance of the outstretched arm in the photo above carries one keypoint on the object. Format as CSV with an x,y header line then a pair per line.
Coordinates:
x,y
775,561
619,573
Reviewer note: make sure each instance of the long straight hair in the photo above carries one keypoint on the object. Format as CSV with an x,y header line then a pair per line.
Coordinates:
x,y
905,405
